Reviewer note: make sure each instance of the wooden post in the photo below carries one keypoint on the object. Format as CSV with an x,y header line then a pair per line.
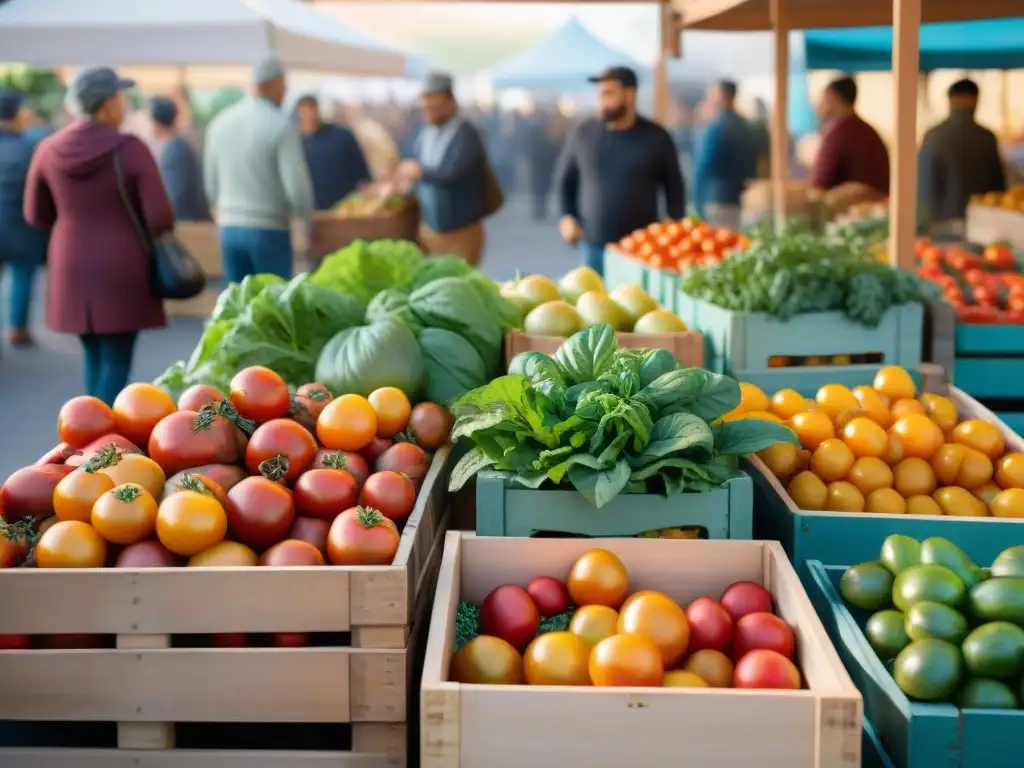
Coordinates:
x,y
662,96
779,124
906,22
1004,102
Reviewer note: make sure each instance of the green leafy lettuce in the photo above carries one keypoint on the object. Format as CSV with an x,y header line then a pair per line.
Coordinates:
x,y
606,421
365,268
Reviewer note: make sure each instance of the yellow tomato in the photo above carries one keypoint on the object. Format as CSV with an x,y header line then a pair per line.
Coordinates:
x,y
923,505
981,436
921,437
975,471
959,502
913,477
869,473
849,415
783,459
832,460
787,403
894,382
905,406
885,501
865,437
138,469
987,492
941,410
873,404
893,450
807,491
125,515
1009,471
682,678
1009,503
752,398
946,462
835,398
812,428
594,623
763,415
844,497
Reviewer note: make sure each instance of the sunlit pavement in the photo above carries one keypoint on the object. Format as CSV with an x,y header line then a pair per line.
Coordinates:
x,y
35,382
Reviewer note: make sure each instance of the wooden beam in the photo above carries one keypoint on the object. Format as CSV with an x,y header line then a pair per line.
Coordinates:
x,y
903,168
779,133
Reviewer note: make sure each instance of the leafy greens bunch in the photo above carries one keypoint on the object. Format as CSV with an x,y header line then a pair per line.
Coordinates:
x,y
607,421
798,271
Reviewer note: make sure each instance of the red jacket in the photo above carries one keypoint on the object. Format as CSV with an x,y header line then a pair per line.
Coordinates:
x,y
98,266
851,150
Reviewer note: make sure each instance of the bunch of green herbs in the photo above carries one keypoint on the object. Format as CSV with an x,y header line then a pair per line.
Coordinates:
x,y
467,623
607,421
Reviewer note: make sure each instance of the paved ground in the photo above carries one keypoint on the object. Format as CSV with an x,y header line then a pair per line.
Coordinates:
x,y
34,383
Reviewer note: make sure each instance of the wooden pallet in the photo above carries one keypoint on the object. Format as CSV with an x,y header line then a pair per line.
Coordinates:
x,y
146,684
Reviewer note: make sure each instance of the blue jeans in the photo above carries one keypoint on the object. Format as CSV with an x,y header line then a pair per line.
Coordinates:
x,y
22,280
593,256
108,363
248,251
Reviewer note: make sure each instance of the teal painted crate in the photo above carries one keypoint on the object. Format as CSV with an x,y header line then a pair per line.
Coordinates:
x,y
664,288
620,269
989,365
872,753
741,344
505,508
914,735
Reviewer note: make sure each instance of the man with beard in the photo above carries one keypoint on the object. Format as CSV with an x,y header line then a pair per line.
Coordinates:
x,y
611,170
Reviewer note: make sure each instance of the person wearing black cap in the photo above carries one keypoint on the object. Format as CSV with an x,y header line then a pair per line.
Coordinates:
x,y
99,262
612,168
337,165
179,165
958,158
22,247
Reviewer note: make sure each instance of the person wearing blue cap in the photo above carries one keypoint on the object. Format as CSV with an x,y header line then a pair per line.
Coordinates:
x,y
91,183
22,247
179,165
256,179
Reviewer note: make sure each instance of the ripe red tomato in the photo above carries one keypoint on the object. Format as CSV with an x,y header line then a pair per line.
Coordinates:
x,y
626,660
289,639
280,439
29,491
710,625
291,552
362,536
260,394
373,450
215,477
549,595
325,493
312,530
260,512
509,612
411,460
353,463
765,631
15,643
11,550
766,669
393,494
188,439
147,554
310,399
82,419
745,597
198,395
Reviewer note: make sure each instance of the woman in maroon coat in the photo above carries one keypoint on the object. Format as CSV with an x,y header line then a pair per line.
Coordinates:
x,y
98,264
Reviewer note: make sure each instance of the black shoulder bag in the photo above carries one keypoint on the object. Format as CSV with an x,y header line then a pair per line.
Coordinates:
x,y
174,273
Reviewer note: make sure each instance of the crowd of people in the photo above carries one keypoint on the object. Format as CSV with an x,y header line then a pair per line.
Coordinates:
x,y
72,198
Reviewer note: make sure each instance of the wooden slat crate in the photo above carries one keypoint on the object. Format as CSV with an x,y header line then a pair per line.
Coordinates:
x,y
332,232
495,726
687,347
147,685
988,224
989,365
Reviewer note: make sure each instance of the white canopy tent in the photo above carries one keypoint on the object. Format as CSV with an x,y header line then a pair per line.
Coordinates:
x,y
189,33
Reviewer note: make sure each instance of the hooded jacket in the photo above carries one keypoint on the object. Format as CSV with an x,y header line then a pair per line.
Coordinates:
x,y
99,264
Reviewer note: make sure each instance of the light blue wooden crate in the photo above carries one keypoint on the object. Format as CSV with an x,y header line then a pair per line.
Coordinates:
x,y
990,360
914,735
620,269
664,288
741,344
1013,419
505,508
872,753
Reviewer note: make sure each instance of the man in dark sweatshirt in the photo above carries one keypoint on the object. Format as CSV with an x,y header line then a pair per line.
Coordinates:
x,y
179,164
612,168
336,163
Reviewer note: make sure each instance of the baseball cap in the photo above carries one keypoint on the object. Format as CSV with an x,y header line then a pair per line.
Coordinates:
x,y
269,69
624,75
437,82
10,103
92,87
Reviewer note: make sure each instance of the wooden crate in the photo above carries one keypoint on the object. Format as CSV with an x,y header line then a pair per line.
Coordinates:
x,y
505,508
914,735
146,685
202,240
836,537
621,269
741,345
688,347
493,726
989,365
332,232
987,224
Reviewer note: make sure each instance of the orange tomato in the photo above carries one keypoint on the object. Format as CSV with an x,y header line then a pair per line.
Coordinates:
x,y
812,428
987,492
125,515
70,544
188,522
224,554
598,577
808,491
137,409
658,618
136,468
832,460
713,667
946,462
594,623
347,423
83,419
844,497
1009,503
393,409
941,410
626,660
975,470
923,505
893,450
959,502
873,404
905,406
981,436
787,403
487,660
681,678
1010,471
894,382
557,658
782,459
835,398
865,437
77,492
921,437
869,473
885,501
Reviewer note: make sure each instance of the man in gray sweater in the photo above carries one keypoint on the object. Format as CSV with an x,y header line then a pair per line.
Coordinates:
x,y
256,179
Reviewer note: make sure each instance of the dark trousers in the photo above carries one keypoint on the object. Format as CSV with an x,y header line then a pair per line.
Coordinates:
x,y
250,251
108,363
20,296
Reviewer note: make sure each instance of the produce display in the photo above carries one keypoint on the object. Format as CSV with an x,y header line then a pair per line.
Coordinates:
x,y
889,450
675,246
1012,199
947,629
798,271
586,628
985,288
607,421
580,300
253,476
374,314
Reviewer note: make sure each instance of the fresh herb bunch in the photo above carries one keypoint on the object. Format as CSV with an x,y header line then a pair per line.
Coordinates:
x,y
797,271
607,421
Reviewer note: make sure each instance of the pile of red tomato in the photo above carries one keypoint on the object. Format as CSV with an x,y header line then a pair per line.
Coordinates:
x,y
675,246
620,639
254,477
982,289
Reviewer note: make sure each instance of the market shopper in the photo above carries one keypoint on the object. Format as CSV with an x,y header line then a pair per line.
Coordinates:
x,y
958,158
851,150
22,247
455,184
98,262
726,159
256,179
336,163
612,168
179,164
